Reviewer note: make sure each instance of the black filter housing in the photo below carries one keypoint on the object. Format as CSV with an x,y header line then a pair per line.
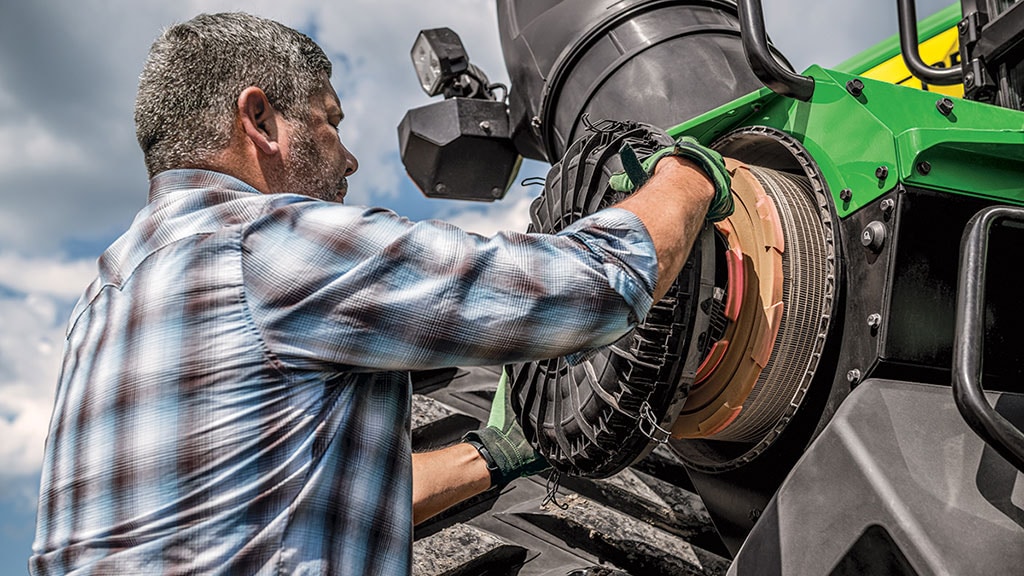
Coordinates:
x,y
656,61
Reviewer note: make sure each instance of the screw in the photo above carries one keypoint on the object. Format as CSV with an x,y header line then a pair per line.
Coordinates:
x,y
855,87
440,188
945,105
853,376
887,205
962,27
873,236
969,80
496,192
485,125
874,321
924,167
882,172
845,194
535,123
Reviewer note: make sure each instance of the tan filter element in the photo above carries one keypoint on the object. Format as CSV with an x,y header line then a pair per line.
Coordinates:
x,y
754,247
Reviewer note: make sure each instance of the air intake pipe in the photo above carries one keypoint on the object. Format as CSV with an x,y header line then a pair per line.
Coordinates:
x,y
656,61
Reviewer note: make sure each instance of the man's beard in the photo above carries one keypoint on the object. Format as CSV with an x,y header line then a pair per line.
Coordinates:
x,y
311,174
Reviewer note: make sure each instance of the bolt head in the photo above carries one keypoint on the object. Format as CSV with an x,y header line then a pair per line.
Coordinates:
x,y
873,236
882,172
855,87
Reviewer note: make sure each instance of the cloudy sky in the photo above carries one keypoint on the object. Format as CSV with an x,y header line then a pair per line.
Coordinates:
x,y
72,178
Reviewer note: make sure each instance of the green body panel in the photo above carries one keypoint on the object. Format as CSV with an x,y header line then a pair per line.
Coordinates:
x,y
977,150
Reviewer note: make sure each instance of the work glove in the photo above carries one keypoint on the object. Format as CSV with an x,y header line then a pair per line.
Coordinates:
x,y
636,173
502,443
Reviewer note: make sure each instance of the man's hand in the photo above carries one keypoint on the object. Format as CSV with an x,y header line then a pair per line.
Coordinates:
x,y
502,444
710,162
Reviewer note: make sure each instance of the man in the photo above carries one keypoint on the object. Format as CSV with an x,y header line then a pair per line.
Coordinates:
x,y
234,396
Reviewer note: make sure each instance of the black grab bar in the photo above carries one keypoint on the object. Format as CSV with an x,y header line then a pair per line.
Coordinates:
x,y
906,12
993,428
767,69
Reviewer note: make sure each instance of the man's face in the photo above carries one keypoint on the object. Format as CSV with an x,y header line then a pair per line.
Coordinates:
x,y
318,164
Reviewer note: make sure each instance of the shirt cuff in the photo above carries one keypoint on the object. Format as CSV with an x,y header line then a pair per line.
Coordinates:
x,y
626,250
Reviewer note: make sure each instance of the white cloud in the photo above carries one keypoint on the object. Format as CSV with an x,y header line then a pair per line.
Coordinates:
x,y
27,144
32,323
494,218
45,277
14,227
31,339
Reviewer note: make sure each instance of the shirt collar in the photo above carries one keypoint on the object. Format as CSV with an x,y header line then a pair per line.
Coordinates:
x,y
171,181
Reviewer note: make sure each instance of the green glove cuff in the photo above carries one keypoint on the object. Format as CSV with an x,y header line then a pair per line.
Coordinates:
x,y
708,160
506,450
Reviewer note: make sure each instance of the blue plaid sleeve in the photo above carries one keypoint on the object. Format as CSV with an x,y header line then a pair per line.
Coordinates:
x,y
366,289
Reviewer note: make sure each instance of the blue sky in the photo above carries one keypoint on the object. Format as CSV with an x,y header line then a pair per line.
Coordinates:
x,y
72,178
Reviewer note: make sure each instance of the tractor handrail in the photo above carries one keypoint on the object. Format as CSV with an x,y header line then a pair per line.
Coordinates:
x,y
906,12
767,69
969,338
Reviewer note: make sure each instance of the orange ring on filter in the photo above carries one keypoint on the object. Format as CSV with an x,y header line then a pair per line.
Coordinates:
x,y
726,377
731,311
711,361
705,398
733,298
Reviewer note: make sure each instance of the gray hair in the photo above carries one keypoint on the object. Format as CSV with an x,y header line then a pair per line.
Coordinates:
x,y
189,87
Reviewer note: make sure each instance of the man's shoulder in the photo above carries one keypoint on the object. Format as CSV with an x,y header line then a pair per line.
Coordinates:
x,y
302,213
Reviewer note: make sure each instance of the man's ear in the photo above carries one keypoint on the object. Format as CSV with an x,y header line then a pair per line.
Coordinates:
x,y
259,120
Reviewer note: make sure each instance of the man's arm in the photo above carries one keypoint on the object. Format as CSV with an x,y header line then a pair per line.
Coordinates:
x,y
672,205
493,455
445,477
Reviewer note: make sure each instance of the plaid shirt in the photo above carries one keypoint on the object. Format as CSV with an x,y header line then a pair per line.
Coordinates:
x,y
234,397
